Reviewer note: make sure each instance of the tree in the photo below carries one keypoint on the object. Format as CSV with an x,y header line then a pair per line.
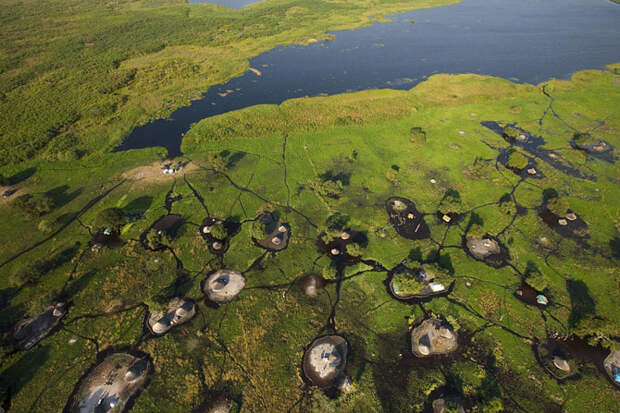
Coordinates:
x,y
157,239
511,132
218,231
217,162
516,160
259,229
112,219
354,249
451,202
507,205
417,135
558,206
33,205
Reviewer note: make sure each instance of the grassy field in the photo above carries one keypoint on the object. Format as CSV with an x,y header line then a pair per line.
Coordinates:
x,y
78,76
288,159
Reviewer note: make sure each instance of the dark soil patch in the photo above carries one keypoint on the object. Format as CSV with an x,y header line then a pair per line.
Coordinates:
x,y
576,229
455,218
545,354
342,258
274,229
111,240
528,295
534,145
406,219
531,170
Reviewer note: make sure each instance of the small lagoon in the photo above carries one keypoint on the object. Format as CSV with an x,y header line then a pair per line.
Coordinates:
x,y
525,41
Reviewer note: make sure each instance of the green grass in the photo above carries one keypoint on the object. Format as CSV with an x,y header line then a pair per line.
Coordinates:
x,y
254,345
77,76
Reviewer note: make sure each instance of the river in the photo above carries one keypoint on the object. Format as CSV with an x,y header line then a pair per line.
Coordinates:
x,y
525,41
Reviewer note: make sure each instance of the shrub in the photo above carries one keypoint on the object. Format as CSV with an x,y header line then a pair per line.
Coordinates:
x,y
511,132
111,218
506,205
417,135
451,202
558,206
33,205
584,139
218,231
157,239
259,230
516,160
330,189
46,226
392,176
217,162
354,249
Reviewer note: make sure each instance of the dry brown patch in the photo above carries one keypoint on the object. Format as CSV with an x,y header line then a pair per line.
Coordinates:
x,y
152,173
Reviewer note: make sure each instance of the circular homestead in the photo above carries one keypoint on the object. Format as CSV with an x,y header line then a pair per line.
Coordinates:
x,y
30,331
178,312
555,359
406,219
215,235
408,285
570,225
311,284
111,384
433,337
598,148
223,286
487,249
269,233
612,366
325,360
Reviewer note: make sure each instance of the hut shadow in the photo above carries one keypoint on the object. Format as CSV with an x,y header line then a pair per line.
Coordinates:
x,y
61,196
22,176
582,303
22,371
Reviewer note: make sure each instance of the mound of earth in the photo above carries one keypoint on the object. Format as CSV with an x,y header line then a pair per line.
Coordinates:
x,y
30,331
433,337
111,384
406,220
487,249
223,286
311,283
179,311
274,234
325,360
612,366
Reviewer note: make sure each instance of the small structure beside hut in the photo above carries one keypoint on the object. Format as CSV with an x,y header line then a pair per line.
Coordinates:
x,y
325,360
30,331
179,311
223,286
111,384
433,337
